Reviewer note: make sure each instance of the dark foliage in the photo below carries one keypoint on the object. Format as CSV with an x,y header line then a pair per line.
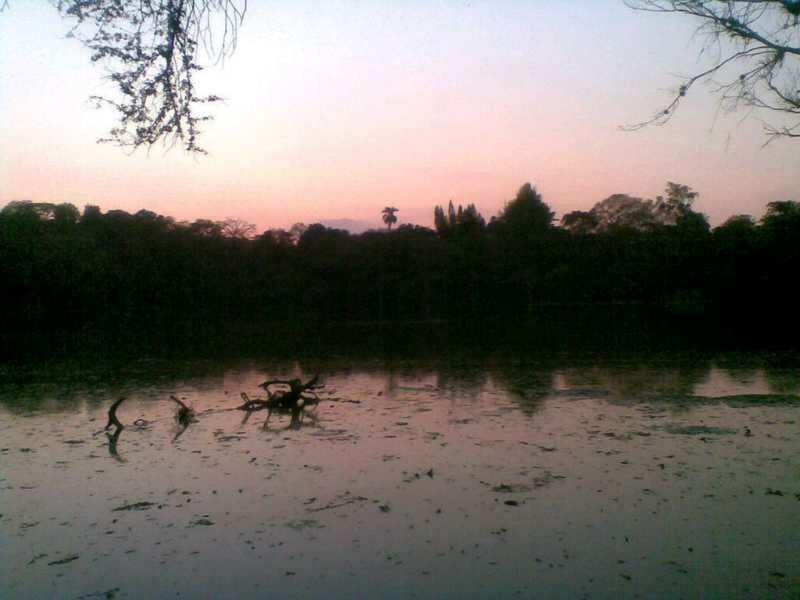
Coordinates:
x,y
62,269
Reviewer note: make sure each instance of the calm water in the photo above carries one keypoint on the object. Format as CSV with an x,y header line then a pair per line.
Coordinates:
x,y
671,476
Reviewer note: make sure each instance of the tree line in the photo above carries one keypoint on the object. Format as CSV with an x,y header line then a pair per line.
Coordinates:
x,y
63,268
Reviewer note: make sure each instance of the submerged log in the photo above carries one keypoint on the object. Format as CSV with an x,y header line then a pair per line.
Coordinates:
x,y
113,421
298,395
251,405
295,396
185,414
183,418
113,438
293,400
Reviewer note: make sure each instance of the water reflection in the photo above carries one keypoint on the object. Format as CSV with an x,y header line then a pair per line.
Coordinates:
x,y
638,380
528,384
113,439
184,416
416,477
284,396
696,378
783,380
297,417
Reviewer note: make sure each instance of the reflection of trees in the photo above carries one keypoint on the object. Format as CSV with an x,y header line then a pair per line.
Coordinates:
x,y
782,373
69,385
462,379
742,367
632,381
783,380
527,384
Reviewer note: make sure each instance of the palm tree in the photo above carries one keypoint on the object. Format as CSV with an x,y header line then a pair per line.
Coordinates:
x,y
389,217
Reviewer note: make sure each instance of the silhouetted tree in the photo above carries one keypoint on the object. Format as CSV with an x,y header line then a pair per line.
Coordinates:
x,y
91,215
440,221
445,224
66,214
744,224
527,214
676,205
470,221
206,228
237,228
35,210
451,216
281,237
297,230
755,60
624,212
389,217
146,267
580,222
737,259
621,211
782,217
464,221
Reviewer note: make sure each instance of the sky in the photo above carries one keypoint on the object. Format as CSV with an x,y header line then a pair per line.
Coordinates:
x,y
335,109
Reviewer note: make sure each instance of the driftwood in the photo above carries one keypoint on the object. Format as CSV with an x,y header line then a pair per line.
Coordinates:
x,y
293,400
183,418
113,438
185,414
113,421
295,396
285,396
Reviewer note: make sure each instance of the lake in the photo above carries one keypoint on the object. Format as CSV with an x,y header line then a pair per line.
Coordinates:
x,y
599,475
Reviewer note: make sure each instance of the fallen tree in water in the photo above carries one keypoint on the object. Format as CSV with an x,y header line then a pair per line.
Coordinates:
x,y
113,421
285,396
116,424
293,399
183,418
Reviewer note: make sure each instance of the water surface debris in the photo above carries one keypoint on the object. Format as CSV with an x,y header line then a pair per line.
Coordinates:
x,y
63,561
134,506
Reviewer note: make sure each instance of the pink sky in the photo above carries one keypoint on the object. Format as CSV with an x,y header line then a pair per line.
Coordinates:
x,y
337,109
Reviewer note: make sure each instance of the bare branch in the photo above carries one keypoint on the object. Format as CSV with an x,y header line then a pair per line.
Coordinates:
x,y
762,68
150,49
113,421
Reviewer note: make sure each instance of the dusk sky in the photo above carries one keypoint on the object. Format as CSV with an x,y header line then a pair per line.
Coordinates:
x,y
337,109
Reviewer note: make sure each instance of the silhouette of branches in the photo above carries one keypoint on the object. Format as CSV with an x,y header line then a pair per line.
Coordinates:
x,y
294,399
757,63
150,49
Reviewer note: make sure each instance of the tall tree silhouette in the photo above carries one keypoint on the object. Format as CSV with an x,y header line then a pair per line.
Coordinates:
x,y
389,217
527,214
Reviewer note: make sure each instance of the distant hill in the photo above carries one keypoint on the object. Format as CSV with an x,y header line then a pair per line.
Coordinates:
x,y
351,225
